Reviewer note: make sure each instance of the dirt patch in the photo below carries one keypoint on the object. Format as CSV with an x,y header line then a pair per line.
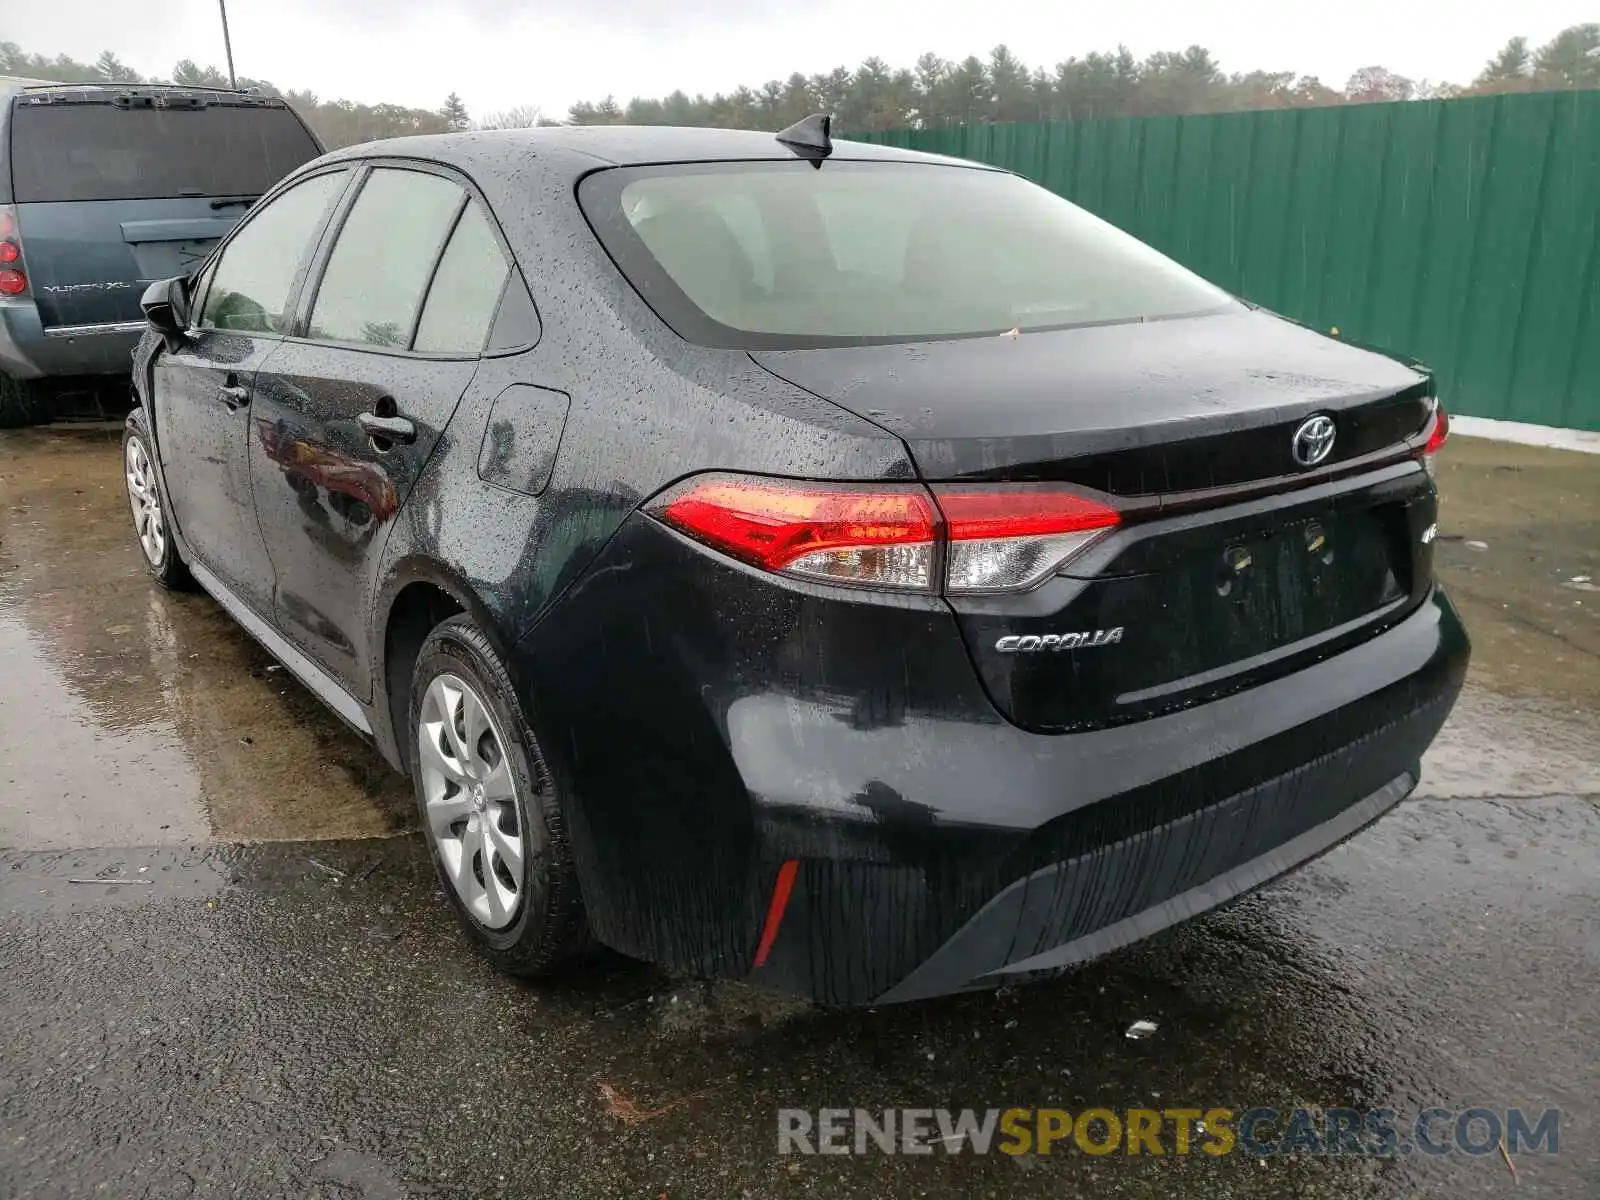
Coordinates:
x,y
1519,552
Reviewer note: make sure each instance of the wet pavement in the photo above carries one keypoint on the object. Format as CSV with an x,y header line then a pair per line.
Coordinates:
x,y
279,1004
148,715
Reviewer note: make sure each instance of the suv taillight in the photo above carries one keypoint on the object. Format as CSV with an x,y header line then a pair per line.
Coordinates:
x,y
13,278
986,538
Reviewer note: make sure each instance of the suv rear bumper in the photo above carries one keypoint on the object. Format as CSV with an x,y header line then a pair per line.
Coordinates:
x,y
936,846
29,351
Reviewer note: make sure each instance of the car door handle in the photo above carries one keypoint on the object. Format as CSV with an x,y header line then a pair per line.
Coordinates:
x,y
389,429
234,395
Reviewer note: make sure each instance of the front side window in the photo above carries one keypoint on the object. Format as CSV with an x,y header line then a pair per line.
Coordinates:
x,y
380,265
250,285
465,289
777,255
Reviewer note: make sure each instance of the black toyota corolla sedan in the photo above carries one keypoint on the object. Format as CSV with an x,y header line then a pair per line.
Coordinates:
x,y
850,570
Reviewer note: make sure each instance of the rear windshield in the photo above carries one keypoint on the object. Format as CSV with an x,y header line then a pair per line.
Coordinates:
x,y
102,152
784,255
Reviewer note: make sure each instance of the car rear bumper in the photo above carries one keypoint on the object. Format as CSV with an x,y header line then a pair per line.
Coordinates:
x,y
1067,913
30,351
1187,813
936,846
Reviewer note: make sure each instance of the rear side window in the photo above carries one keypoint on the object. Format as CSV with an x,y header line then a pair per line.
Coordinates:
x,y
781,255
380,265
95,151
465,289
249,289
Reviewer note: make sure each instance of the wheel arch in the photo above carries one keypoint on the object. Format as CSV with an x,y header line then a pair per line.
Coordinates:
x,y
420,594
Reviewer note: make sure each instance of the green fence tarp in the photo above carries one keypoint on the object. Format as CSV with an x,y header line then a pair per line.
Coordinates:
x,y
1463,232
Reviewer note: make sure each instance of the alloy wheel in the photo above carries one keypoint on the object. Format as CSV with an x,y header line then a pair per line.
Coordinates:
x,y
145,500
470,801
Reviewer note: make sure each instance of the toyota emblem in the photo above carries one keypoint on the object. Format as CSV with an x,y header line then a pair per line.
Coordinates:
x,y
1313,441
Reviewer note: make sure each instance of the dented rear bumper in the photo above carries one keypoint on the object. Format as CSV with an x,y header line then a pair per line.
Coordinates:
x,y
1214,802
810,788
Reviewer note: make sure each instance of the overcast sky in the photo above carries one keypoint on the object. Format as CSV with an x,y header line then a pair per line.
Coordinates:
x,y
500,53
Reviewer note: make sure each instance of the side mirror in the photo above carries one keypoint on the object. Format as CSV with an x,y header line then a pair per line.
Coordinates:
x,y
166,307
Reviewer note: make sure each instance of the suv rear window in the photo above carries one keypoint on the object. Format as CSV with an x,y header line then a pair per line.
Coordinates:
x,y
782,255
98,151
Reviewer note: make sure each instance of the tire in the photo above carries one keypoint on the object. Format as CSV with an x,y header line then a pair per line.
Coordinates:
x,y
151,527
21,404
546,928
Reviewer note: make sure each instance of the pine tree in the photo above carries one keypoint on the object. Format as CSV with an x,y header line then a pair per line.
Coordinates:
x,y
1571,58
113,70
455,115
1514,62
187,74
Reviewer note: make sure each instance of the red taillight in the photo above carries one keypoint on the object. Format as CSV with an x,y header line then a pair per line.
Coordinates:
x,y
1440,431
879,537
1437,433
999,538
13,282
1007,512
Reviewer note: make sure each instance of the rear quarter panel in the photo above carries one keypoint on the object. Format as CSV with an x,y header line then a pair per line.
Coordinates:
x,y
646,408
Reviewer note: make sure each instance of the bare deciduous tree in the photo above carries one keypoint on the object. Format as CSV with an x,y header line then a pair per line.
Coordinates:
x,y
523,116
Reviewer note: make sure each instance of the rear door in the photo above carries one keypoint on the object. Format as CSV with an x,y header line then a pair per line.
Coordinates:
x,y
203,391
347,414
117,188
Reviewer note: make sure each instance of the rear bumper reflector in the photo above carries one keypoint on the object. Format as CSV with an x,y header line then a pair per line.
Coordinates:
x,y
775,909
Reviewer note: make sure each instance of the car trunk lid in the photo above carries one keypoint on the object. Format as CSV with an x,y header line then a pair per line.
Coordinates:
x,y
1235,563
1135,409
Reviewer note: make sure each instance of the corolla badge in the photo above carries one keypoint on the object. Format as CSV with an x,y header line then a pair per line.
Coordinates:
x,y
1034,643
1313,441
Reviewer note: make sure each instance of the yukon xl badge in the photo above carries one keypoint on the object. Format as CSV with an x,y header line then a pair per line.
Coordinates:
x,y
109,285
1033,643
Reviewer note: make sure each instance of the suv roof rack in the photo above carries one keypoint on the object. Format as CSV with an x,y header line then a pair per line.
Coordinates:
x,y
124,84
145,95
159,87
